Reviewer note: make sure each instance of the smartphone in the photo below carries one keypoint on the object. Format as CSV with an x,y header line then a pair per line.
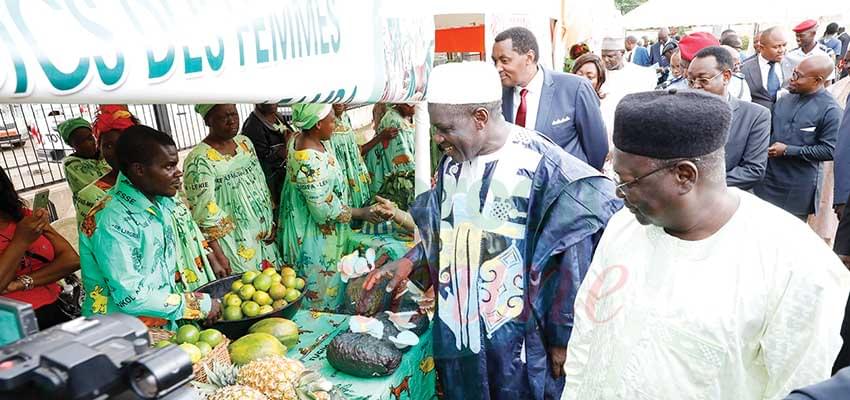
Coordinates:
x,y
41,200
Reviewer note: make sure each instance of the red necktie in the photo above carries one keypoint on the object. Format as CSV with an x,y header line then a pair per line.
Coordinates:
x,y
520,112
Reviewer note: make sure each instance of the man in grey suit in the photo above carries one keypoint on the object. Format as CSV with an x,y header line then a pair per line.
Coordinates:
x,y
749,131
766,72
835,388
655,54
805,130
563,107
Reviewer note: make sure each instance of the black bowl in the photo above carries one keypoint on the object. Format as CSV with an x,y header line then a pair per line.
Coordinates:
x,y
236,329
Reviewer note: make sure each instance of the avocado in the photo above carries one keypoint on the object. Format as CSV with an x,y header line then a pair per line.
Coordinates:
x,y
361,355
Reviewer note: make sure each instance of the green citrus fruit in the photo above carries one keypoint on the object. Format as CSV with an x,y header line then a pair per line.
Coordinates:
x,y
262,282
248,277
289,281
188,334
233,301
246,292
287,271
276,278
250,309
277,291
204,347
269,271
262,298
236,285
292,295
278,304
211,337
162,343
300,283
193,351
266,309
232,313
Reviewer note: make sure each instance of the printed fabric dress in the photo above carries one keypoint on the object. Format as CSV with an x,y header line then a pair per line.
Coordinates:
x,y
79,172
347,152
192,269
231,203
391,163
313,224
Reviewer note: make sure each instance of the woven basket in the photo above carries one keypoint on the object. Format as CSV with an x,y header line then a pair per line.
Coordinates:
x,y
218,354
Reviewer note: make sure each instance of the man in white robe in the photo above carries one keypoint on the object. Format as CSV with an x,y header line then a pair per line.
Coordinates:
x,y
696,290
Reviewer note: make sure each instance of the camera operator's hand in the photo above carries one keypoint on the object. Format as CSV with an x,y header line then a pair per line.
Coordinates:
x,y
215,311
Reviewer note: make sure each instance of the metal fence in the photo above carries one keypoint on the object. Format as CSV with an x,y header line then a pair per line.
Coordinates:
x,y
31,150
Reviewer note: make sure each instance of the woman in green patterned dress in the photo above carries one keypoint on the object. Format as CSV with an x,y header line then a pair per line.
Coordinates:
x,y
390,156
347,152
196,265
315,217
228,195
85,165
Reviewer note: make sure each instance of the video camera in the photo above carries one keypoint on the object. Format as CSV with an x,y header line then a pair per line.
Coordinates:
x,y
101,357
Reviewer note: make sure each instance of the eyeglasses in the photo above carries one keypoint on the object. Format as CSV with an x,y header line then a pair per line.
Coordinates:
x,y
797,76
703,82
623,187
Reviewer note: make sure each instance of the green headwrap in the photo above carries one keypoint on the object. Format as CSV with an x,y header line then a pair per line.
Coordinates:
x,y
69,126
204,109
306,116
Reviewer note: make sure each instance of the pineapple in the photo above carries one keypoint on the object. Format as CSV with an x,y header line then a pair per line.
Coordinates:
x,y
281,378
221,375
237,392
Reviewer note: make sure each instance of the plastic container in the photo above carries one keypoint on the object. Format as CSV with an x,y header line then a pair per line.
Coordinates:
x,y
236,329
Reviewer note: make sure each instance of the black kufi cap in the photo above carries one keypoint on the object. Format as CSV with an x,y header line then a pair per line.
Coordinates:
x,y
668,124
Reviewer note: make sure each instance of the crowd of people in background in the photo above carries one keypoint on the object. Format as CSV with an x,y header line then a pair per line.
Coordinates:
x,y
633,229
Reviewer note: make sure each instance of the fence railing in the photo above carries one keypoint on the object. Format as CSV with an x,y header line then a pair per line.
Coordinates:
x,y
31,150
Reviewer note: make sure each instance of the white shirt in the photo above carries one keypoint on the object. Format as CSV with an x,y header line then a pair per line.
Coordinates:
x,y
630,79
532,99
797,55
752,312
765,69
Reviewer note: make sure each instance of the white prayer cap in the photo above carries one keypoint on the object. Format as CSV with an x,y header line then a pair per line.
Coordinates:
x,y
471,82
610,44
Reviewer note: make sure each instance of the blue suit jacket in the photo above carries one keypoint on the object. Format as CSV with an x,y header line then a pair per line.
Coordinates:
x,y
842,160
655,56
569,115
835,388
640,56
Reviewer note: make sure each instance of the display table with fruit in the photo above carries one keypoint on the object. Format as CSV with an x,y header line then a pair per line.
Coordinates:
x,y
414,378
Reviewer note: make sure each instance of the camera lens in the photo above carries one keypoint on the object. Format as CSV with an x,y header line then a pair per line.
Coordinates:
x,y
143,382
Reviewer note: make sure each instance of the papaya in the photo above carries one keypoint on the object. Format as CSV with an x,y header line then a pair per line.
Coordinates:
x,y
283,329
254,346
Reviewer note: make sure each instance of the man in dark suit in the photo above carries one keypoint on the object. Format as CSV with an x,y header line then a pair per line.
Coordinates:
x,y
655,55
765,73
844,38
805,129
563,107
749,133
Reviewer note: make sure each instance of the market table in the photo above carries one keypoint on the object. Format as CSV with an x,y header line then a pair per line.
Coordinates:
x,y
415,377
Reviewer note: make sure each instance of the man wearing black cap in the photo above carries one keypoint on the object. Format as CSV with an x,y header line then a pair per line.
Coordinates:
x,y
698,290
805,130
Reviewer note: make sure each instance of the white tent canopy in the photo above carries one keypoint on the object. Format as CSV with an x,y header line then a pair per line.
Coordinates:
x,y
658,13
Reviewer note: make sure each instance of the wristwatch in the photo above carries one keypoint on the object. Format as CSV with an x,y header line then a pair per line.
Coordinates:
x,y
26,281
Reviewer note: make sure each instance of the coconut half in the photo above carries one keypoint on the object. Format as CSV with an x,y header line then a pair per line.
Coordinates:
x,y
404,339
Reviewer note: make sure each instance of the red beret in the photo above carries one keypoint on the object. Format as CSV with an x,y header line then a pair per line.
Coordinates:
x,y
691,44
805,25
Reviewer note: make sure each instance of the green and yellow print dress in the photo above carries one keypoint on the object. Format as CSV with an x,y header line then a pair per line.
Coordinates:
x,y
79,172
231,203
347,152
391,164
313,228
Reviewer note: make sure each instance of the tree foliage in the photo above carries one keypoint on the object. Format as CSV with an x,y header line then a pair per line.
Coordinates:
x,y
628,5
